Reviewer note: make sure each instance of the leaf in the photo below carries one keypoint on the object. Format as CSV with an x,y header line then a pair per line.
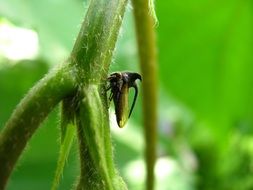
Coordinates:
x,y
55,21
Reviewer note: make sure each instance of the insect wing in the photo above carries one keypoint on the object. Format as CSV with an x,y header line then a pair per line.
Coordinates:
x,y
121,106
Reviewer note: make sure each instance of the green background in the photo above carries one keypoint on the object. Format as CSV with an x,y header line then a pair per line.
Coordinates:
x,y
205,93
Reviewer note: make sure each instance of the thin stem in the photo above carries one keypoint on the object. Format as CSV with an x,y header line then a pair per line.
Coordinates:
x,y
27,116
144,24
63,155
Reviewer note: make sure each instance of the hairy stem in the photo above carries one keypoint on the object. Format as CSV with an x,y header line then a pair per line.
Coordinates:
x,y
144,24
31,111
83,81
65,147
96,41
93,130
92,56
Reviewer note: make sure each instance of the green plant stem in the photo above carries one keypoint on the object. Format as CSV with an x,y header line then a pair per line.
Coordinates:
x,y
97,168
96,41
92,56
64,152
144,24
94,128
83,80
27,116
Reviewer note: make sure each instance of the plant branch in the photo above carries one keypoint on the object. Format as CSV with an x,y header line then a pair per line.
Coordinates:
x,y
83,80
144,24
31,111
65,147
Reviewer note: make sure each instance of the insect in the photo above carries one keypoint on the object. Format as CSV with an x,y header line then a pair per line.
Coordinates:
x,y
120,82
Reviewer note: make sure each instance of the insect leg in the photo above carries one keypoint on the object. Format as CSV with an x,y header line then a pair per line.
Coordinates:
x,y
111,96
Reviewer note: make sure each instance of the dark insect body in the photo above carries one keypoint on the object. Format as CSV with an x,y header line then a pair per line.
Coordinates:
x,y
120,82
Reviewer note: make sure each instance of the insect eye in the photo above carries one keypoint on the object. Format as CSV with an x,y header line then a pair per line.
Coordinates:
x,y
119,86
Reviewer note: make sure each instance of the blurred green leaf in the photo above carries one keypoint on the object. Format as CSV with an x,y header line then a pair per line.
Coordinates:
x,y
205,51
57,23
206,58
